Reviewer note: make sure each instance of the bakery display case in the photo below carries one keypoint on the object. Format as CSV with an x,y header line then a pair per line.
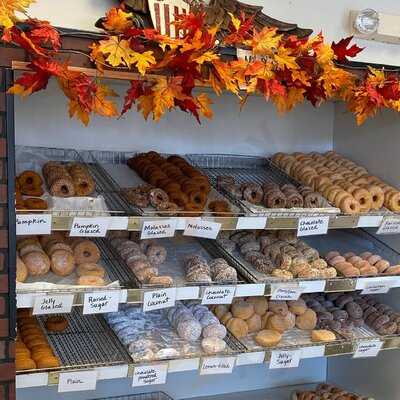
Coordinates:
x,y
183,256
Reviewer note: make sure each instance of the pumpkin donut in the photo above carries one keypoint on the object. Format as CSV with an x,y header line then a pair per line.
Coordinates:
x,y
35,203
36,191
86,252
30,178
62,187
349,205
364,198
377,195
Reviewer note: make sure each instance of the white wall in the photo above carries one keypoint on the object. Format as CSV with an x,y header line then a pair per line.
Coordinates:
x,y
332,17
42,120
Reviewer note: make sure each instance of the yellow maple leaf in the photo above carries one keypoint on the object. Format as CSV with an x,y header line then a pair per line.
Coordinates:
x,y
302,76
102,105
204,103
235,21
118,50
97,57
19,90
225,75
76,110
8,9
265,42
325,54
207,56
286,103
145,105
117,20
142,61
284,58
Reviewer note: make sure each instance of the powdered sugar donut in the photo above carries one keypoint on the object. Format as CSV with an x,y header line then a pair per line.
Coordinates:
x,y
214,330
189,330
212,345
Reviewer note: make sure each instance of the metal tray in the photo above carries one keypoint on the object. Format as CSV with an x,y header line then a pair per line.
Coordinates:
x,y
256,170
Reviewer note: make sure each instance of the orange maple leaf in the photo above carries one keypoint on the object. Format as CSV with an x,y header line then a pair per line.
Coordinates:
x,y
265,43
204,103
117,20
145,105
102,105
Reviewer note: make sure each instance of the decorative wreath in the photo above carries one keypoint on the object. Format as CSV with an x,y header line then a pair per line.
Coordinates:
x,y
285,69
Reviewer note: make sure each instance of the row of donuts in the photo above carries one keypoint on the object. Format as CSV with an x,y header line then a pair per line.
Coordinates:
x,y
344,183
63,256
325,391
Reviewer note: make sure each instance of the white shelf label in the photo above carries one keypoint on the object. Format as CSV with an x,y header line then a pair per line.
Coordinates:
x,y
113,372
376,288
375,285
145,375
218,295
284,359
312,226
101,302
312,286
389,226
188,364
313,351
118,223
367,348
369,221
158,299
257,357
187,293
89,227
281,291
217,365
33,224
53,304
158,229
180,223
251,223
250,289
201,228
31,380
77,381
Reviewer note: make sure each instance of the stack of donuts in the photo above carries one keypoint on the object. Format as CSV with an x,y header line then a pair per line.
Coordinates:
x,y
68,180
36,256
327,392
185,186
29,183
32,349
201,271
349,264
143,258
271,195
345,184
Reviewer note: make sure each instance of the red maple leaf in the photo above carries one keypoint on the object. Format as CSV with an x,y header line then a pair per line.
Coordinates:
x,y
35,81
271,87
342,51
188,105
293,42
189,22
42,33
132,94
315,92
244,31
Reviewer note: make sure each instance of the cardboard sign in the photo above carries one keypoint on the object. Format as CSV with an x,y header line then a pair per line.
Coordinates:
x,y
89,227
158,299
53,304
389,226
217,365
281,291
218,295
77,381
101,302
33,224
312,226
158,229
146,375
284,359
201,228
368,348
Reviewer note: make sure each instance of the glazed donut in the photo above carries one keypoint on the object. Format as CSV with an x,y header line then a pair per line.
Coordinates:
x,y
48,362
156,254
377,195
275,199
37,263
349,205
62,187
56,323
62,262
157,197
392,201
253,193
90,269
35,203
364,198
86,252
90,280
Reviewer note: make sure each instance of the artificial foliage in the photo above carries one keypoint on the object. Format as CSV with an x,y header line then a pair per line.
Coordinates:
x,y
283,69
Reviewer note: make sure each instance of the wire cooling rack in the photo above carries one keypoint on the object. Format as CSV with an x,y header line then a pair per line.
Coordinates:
x,y
87,341
250,169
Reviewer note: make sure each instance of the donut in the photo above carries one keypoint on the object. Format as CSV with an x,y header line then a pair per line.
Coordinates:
x,y
90,269
62,187
48,362
62,262
21,271
294,200
364,198
86,252
373,259
156,254
157,197
56,323
90,280
336,259
178,197
30,178
382,265
253,193
392,201
198,198
37,263
377,196
24,363
275,199
350,206
29,248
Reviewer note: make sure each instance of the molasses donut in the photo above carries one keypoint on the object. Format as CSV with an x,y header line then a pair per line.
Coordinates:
x,y
197,198
179,198
86,252
157,197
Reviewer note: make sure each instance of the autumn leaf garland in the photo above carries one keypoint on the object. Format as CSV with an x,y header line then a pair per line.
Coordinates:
x,y
283,69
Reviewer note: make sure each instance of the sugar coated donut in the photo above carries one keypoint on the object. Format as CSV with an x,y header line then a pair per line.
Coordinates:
x,y
90,280
90,269
37,262
62,262
86,252
156,254
21,271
